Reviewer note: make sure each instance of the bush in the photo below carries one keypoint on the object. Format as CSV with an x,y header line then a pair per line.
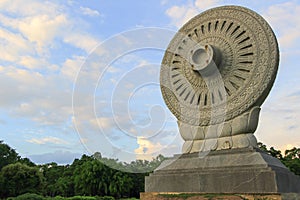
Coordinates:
x,y
31,196
81,198
105,198
28,196
56,198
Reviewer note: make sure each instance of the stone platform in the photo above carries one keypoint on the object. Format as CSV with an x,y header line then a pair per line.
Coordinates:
x,y
196,196
236,171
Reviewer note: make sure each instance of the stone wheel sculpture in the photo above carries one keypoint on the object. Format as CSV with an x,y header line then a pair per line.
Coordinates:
x,y
216,73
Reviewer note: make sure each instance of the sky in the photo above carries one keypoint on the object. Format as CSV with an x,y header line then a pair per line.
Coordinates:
x,y
83,76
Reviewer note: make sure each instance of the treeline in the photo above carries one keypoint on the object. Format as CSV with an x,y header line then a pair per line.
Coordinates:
x,y
87,176
291,157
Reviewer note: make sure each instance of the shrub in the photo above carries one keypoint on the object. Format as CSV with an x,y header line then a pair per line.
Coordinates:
x,y
57,198
106,198
29,196
81,198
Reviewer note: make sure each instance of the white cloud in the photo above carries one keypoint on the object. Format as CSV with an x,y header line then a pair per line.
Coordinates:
x,y
29,7
38,24
45,99
89,12
206,4
47,140
284,18
181,14
278,125
42,29
105,123
45,24
31,62
13,45
34,63
71,67
34,85
81,40
147,149
38,88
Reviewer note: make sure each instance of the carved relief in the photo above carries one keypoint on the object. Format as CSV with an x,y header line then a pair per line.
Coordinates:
x,y
248,64
216,73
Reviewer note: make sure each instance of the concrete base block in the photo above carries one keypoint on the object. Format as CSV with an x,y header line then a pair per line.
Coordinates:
x,y
197,196
248,171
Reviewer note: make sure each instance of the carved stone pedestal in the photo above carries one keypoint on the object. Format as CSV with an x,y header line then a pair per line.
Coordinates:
x,y
205,196
216,73
245,170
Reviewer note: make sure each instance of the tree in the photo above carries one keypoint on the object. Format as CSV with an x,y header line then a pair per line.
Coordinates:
x,y
19,178
293,153
262,146
292,160
27,162
51,172
275,153
65,182
7,155
138,181
90,177
120,184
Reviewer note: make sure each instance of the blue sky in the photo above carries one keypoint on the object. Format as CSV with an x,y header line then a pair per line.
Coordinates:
x,y
47,46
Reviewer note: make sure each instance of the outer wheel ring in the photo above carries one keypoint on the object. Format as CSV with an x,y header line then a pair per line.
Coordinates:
x,y
249,63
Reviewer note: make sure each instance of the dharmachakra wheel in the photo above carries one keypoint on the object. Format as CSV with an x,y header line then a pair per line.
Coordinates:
x,y
244,49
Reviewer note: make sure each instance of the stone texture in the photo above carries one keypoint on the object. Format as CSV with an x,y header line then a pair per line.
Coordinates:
x,y
225,171
195,196
235,133
216,72
247,62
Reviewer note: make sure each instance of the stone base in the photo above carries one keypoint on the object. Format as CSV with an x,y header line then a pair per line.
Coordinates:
x,y
197,196
236,171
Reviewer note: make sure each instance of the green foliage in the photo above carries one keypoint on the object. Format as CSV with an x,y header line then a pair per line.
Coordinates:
x,y
50,172
56,198
28,196
104,178
92,177
262,146
89,178
81,198
275,153
106,198
19,178
291,159
7,155
26,161
33,196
